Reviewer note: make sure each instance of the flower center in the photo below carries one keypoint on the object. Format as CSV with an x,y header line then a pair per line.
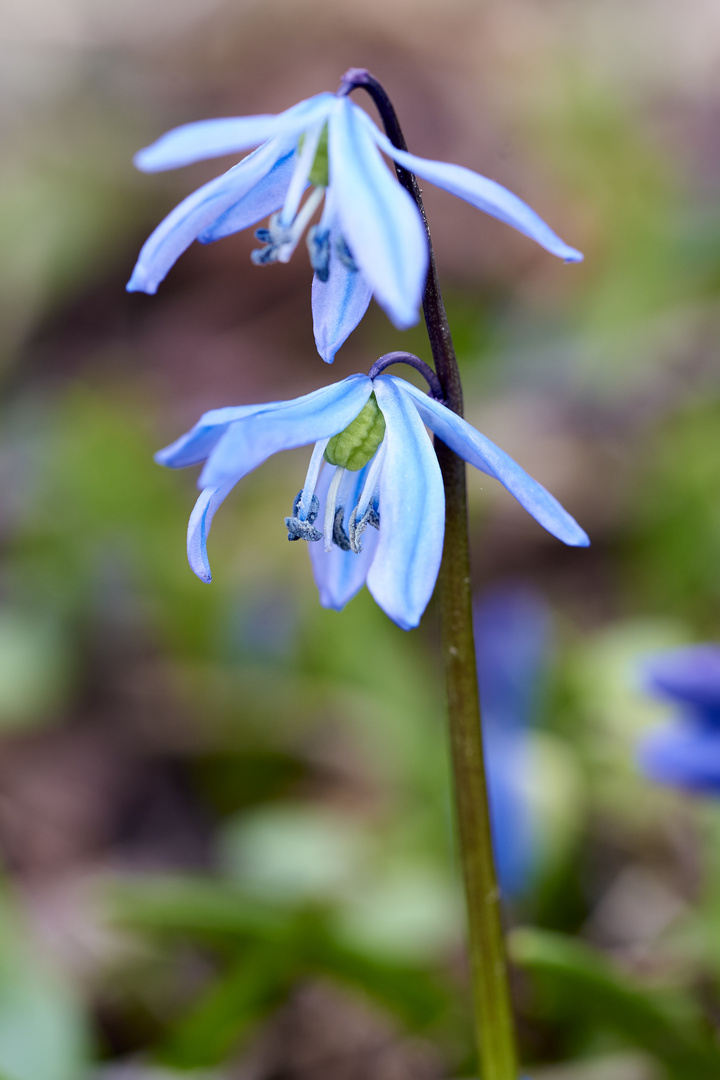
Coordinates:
x,y
356,445
360,444
283,231
320,169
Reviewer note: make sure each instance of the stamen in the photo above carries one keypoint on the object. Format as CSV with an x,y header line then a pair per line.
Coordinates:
x,y
302,220
357,527
345,255
318,242
303,530
339,536
264,256
370,487
311,478
306,507
331,501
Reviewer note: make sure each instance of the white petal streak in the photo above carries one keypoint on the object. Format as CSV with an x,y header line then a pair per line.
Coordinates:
x,y
378,218
412,511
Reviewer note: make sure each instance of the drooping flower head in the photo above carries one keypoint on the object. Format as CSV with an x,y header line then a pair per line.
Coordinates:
x,y
370,239
686,754
372,506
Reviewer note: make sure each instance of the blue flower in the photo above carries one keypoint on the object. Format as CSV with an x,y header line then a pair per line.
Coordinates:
x,y
370,239
373,492
686,754
512,636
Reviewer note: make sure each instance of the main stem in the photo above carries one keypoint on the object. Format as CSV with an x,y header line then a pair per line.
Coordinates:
x,y
494,1024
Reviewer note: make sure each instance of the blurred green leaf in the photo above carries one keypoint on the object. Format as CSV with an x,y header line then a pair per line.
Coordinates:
x,y
227,1012
668,1026
44,1034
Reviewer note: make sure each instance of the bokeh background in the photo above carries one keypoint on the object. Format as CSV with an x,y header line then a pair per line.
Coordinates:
x,y
225,821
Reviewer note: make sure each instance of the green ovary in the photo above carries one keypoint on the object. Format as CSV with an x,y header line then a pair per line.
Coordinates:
x,y
320,171
353,447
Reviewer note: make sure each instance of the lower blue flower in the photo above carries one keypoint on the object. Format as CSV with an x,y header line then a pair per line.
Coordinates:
x,y
372,505
687,753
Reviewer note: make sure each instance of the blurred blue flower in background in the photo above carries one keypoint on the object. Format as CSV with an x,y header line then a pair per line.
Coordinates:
x,y
687,753
512,642
379,469
370,239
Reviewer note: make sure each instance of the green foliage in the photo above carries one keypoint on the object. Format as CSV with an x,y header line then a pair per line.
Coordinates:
x,y
666,1024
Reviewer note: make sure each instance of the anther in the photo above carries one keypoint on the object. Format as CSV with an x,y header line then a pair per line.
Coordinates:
x,y
303,530
340,537
345,255
318,242
357,528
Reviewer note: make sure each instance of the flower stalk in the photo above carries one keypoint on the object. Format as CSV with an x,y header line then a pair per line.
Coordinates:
x,y
494,1022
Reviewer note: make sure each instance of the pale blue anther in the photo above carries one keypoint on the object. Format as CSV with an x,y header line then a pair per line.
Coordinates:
x,y
303,530
345,255
318,242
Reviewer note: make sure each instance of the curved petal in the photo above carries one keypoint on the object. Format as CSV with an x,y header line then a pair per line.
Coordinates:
x,y
487,195
198,211
339,303
683,757
489,458
377,217
267,196
282,425
338,574
199,528
227,135
690,675
197,443
412,512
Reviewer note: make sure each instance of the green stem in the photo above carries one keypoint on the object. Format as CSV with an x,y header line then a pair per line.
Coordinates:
x,y
494,1023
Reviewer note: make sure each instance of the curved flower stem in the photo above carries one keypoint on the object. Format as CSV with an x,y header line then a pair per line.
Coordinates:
x,y
494,1023
413,361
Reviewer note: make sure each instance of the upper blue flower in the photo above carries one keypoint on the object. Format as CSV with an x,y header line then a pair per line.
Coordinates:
x,y
373,464
686,754
370,239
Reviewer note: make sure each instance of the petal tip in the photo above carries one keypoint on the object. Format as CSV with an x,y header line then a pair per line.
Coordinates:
x,y
139,282
143,160
581,539
572,255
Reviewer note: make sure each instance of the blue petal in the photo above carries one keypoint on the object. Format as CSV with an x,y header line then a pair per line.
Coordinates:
x,y
338,304
196,213
690,675
267,196
412,511
195,445
338,574
228,135
199,528
486,195
378,218
485,455
282,425
683,757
